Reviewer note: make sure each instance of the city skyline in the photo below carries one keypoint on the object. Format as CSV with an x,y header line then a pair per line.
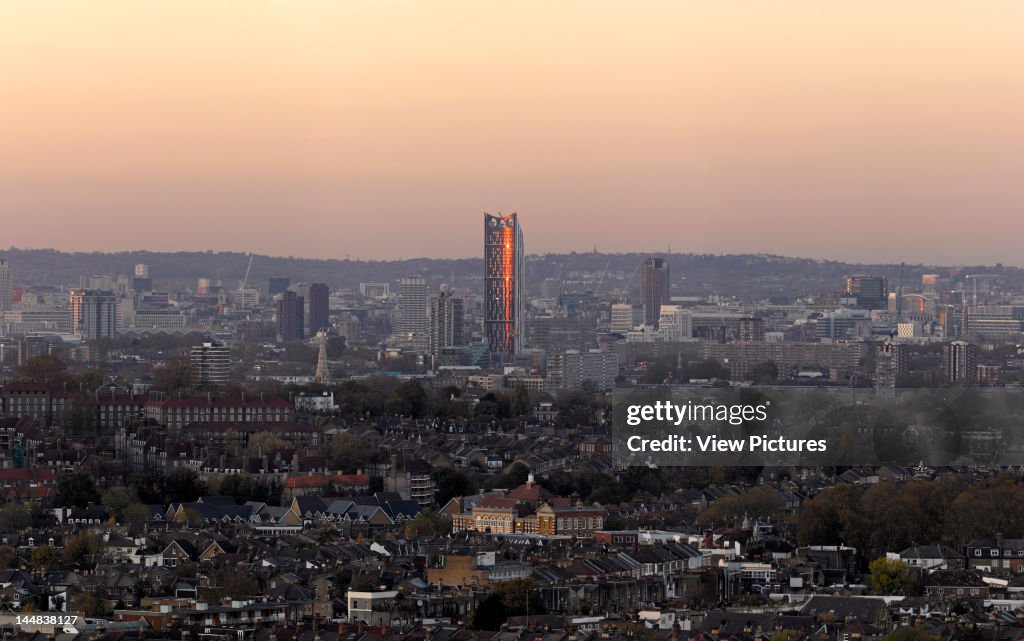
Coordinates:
x,y
841,132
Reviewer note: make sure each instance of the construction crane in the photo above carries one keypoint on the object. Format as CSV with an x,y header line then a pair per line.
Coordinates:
x,y
631,277
899,296
975,277
601,280
245,281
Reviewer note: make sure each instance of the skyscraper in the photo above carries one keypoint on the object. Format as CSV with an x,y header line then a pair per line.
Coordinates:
x,y
871,292
960,362
319,307
503,283
6,286
655,284
412,307
289,317
93,313
211,364
446,318
278,284
890,361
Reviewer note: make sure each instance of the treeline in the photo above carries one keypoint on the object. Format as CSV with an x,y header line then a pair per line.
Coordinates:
x,y
890,517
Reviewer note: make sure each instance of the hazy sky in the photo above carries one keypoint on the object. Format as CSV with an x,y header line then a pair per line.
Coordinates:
x,y
864,130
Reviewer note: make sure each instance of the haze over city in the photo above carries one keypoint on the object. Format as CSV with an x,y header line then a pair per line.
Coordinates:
x,y
847,130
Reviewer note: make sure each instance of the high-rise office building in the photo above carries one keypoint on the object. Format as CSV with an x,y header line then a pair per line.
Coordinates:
x,y
891,360
6,286
655,284
413,319
750,330
141,270
94,313
503,284
278,284
290,314
319,307
446,321
960,362
211,364
625,317
871,292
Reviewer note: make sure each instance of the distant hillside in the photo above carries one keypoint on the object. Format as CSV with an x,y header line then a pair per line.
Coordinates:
x,y
748,276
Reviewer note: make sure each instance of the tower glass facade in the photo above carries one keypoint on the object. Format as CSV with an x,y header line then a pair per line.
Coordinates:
x,y
655,283
503,283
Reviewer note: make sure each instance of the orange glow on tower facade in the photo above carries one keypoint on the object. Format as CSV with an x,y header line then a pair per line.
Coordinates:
x,y
503,283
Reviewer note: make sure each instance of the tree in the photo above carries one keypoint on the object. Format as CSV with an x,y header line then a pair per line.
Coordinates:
x,y
45,558
888,576
520,401
349,453
451,483
45,368
135,516
118,498
335,347
83,546
80,416
615,523
490,614
177,375
183,485
428,523
909,634
15,517
233,582
764,373
7,554
75,489
265,443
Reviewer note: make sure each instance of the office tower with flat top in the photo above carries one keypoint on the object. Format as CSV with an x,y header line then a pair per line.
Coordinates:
x,y
655,284
319,308
503,284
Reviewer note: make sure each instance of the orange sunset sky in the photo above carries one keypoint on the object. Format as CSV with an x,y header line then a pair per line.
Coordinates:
x,y
859,130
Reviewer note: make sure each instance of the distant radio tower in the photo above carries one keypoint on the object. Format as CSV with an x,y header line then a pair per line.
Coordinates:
x,y
323,373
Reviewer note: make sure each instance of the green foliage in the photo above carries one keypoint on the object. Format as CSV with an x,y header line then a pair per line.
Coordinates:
x,y
183,485
45,558
451,483
428,523
243,488
520,404
233,582
349,453
176,375
75,489
909,634
490,614
84,546
755,502
45,368
135,516
14,517
888,576
265,443
765,373
511,478
335,347
119,497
